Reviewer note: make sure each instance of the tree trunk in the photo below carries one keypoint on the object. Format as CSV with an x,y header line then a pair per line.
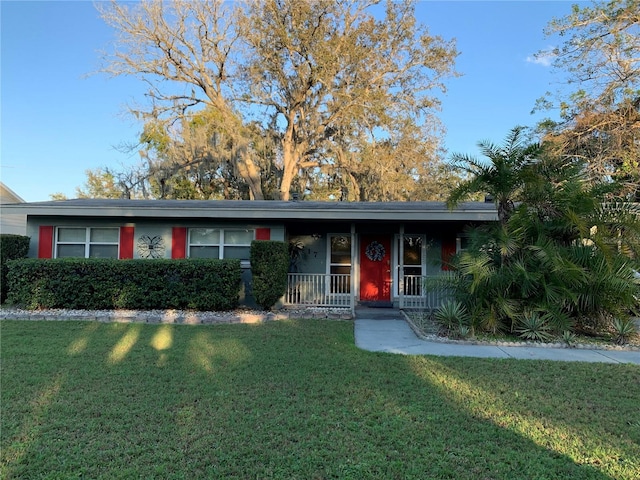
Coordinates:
x,y
288,171
290,159
249,172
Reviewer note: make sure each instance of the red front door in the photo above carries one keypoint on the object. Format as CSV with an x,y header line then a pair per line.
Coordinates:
x,y
375,268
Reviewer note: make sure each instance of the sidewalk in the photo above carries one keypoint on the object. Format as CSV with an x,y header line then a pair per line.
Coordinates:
x,y
376,330
395,336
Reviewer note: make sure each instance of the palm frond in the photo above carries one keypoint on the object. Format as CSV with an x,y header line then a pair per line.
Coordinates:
x,y
515,139
464,190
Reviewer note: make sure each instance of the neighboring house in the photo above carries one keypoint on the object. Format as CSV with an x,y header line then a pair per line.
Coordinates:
x,y
9,222
342,253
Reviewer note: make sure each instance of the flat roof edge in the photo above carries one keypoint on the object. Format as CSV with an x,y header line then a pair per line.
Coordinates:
x,y
250,210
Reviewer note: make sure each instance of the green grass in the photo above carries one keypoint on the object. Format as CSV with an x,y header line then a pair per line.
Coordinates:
x,y
297,400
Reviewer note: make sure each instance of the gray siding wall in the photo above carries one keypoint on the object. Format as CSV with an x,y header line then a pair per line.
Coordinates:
x,y
13,224
142,227
153,228
434,256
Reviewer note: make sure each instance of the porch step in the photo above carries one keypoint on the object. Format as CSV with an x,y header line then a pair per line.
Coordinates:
x,y
369,313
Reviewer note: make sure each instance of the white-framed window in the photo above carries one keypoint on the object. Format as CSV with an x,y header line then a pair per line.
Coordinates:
x,y
462,243
87,242
220,243
340,263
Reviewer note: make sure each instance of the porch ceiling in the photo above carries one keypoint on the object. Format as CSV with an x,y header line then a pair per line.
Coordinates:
x,y
253,210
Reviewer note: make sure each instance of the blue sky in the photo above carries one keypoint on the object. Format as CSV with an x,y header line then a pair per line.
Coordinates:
x,y
58,121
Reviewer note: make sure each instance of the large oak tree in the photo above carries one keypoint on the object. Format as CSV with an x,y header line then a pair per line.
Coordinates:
x,y
325,81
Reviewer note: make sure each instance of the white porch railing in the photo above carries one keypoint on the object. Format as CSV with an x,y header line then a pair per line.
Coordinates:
x,y
319,290
322,290
423,292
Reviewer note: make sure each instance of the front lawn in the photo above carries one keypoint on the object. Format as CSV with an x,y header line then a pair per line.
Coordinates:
x,y
297,400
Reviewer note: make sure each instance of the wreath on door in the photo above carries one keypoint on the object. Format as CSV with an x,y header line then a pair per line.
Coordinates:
x,y
375,251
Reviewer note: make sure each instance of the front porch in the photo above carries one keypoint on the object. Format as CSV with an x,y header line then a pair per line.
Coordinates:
x,y
420,292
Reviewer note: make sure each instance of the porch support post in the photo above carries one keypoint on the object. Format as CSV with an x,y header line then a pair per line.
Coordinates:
x,y
400,272
352,288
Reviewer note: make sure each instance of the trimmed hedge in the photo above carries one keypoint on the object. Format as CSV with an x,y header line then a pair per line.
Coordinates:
x,y
269,268
12,247
103,284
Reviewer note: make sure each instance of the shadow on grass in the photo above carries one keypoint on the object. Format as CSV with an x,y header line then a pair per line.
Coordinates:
x,y
295,400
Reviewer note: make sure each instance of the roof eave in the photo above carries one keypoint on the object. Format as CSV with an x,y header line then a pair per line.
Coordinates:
x,y
256,212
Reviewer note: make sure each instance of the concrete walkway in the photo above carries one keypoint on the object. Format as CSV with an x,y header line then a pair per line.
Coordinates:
x,y
375,333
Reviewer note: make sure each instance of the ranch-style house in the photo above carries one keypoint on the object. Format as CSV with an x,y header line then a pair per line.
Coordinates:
x,y
343,254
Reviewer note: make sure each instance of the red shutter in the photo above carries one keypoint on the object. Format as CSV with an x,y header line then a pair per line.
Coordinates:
x,y
448,251
45,242
179,242
126,242
263,234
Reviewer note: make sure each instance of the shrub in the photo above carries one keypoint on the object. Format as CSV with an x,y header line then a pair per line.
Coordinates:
x,y
464,331
451,315
532,326
569,338
269,268
624,329
12,247
201,284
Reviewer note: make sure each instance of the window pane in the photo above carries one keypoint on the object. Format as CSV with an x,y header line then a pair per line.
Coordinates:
x,y
237,252
103,251
72,235
413,270
339,269
204,252
67,251
341,250
204,236
412,250
104,235
238,237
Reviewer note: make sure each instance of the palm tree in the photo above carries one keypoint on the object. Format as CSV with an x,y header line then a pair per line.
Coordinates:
x,y
502,177
560,255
